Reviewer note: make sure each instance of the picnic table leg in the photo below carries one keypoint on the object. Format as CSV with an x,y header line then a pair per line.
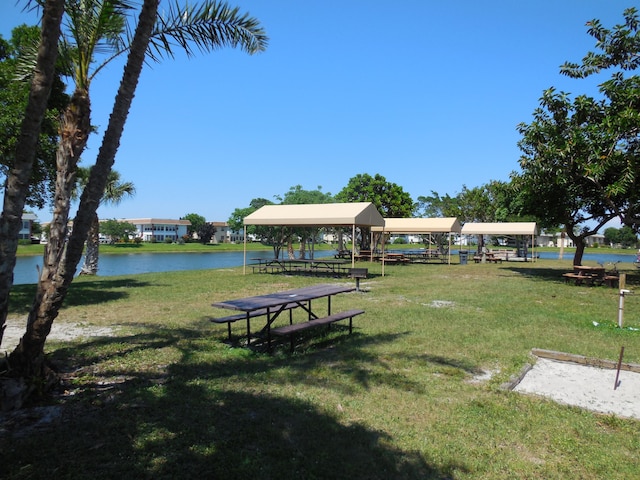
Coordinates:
x,y
268,330
248,331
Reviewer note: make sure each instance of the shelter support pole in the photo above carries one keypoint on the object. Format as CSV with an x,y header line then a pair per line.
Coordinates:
x,y
353,246
244,252
384,241
533,247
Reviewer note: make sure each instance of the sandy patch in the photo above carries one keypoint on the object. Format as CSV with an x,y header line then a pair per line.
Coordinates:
x,y
584,386
59,331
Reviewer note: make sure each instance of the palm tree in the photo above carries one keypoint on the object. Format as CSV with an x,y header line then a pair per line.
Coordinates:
x,y
210,26
17,182
114,193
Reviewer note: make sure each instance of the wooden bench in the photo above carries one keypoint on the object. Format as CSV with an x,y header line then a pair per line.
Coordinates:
x,y
578,279
292,329
242,316
358,273
488,258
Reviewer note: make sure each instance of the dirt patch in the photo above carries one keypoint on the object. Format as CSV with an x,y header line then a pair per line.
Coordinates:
x,y
59,331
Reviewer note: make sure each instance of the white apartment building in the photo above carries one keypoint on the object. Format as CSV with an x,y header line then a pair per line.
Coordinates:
x,y
224,234
159,229
27,222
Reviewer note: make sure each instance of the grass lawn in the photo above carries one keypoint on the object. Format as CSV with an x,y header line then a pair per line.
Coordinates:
x,y
401,398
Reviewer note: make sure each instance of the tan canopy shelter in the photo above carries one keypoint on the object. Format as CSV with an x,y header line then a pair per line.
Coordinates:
x,y
502,228
421,226
358,214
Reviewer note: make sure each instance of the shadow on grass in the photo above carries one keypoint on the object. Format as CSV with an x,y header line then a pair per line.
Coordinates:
x,y
80,293
207,416
546,274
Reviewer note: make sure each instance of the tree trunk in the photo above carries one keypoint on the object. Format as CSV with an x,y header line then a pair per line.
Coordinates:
x,y
17,182
302,252
27,360
92,252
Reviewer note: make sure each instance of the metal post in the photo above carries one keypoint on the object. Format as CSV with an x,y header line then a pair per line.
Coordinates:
x,y
621,306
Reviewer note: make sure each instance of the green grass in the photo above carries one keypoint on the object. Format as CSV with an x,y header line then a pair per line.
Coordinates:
x,y
168,398
147,247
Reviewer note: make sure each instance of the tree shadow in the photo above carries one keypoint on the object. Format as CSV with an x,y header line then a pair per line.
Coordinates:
x,y
80,293
535,273
188,419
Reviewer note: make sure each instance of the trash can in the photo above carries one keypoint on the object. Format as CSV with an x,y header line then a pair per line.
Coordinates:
x,y
464,254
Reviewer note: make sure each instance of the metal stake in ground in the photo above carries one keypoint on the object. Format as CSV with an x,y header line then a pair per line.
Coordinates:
x,y
615,386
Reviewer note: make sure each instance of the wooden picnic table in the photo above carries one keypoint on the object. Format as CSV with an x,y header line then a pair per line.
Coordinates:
x,y
308,266
269,307
400,258
585,274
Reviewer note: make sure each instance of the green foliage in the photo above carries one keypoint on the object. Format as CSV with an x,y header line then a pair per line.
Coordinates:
x,y
117,230
390,199
495,201
206,232
13,99
624,236
297,195
197,222
579,163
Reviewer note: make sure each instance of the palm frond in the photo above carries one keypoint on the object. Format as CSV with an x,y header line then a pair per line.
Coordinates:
x,y
95,27
206,27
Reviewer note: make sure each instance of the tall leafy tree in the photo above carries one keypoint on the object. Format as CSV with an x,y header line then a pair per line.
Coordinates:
x,y
298,196
199,226
197,222
208,27
389,198
495,201
580,165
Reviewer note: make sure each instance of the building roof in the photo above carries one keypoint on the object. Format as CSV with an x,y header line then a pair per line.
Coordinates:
x,y
313,215
156,221
502,228
419,225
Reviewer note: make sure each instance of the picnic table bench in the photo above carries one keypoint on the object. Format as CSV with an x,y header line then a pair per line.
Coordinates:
x,y
488,257
294,328
229,319
588,275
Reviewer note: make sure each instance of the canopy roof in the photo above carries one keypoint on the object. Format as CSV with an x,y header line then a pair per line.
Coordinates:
x,y
313,215
503,228
419,225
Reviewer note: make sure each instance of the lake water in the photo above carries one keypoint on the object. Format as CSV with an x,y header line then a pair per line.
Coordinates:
x,y
26,270
26,267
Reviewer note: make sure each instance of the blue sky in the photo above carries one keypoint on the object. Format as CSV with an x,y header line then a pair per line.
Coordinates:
x,y
427,94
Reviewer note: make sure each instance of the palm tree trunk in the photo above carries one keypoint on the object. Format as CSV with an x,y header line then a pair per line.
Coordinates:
x,y
92,252
28,357
17,183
